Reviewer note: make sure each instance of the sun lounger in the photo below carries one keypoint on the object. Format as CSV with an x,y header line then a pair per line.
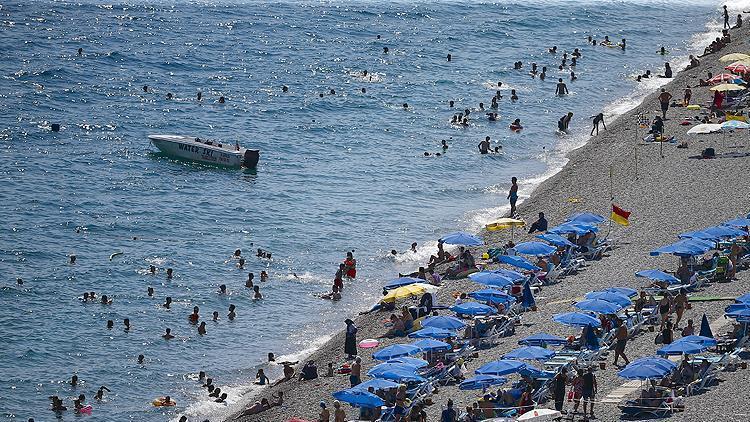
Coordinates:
x,y
634,409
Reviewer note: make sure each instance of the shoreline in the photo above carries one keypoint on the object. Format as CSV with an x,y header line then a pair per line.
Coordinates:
x,y
586,175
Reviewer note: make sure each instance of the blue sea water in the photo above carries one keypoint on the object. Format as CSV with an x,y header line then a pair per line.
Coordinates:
x,y
339,172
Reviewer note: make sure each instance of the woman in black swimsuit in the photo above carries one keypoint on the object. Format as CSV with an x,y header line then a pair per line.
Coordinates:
x,y
665,305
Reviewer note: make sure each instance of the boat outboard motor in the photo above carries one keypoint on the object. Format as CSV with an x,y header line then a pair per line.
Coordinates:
x,y
250,159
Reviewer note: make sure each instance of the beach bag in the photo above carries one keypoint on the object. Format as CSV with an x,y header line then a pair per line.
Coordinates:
x,y
659,338
708,153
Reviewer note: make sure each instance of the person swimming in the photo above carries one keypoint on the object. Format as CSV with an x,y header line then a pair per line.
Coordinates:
x,y
168,334
484,146
167,302
257,295
573,76
169,273
231,315
194,317
544,73
110,324
513,96
561,88
553,50
100,393
126,323
449,57
202,328
141,359
215,316
223,289
516,125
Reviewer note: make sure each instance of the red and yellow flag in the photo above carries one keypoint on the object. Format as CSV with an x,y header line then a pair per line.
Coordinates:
x,y
620,216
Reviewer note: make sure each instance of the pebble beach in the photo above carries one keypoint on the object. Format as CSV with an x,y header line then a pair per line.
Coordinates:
x,y
668,191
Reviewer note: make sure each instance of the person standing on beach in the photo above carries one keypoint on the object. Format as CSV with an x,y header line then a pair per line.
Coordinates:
x,y
350,344
726,18
513,195
664,99
622,339
355,377
688,95
589,392
599,118
559,388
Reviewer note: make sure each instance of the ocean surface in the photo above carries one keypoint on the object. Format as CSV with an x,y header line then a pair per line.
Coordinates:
x,y
337,173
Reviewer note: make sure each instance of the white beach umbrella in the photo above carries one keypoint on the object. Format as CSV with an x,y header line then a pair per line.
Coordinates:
x,y
704,128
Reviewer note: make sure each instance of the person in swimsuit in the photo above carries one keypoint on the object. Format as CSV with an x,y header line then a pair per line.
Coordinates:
x,y
561,88
513,196
622,340
484,146
664,98
665,306
680,304
599,118
351,266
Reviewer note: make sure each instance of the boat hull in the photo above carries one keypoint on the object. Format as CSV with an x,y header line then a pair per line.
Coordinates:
x,y
191,149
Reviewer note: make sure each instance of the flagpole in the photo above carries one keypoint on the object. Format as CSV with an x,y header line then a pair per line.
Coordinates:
x,y
611,199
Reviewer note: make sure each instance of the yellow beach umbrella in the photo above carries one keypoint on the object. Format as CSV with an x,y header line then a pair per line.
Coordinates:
x,y
416,289
727,87
733,57
505,223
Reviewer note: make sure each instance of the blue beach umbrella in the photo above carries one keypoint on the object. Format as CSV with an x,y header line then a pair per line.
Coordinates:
x,y
542,339
738,222
402,281
491,295
658,275
705,328
396,372
358,398
625,291
610,296
726,231
535,248
599,306
706,341
685,247
377,384
518,261
481,382
415,362
490,278
573,228
681,348
501,367
461,238
743,299
736,307
586,218
430,345
739,314
698,234
444,322
576,319
530,353
433,332
513,275
555,239
647,368
473,308
396,351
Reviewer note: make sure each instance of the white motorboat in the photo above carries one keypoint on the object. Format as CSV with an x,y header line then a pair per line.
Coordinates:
x,y
206,151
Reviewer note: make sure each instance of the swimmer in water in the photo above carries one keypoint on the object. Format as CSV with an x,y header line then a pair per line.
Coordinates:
x,y
72,259
451,103
561,89
105,300
194,317
271,357
215,316
168,334
202,328
622,44
257,294
141,358
167,302
484,146
544,73
145,88
150,291
223,289
263,276
80,51
110,324
414,247
576,53
385,50
249,282
200,96
405,106
445,146
533,69
481,106
553,50
100,393
663,51
152,269
169,273
284,88
231,315
169,95
573,76
126,323
241,264
221,100
516,125
513,96
449,57
74,381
